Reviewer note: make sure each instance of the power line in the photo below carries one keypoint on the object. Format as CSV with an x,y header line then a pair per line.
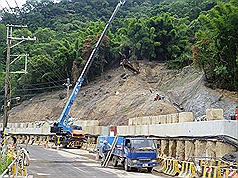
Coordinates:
x,y
51,69
42,88
18,7
16,3
8,5
44,83
44,73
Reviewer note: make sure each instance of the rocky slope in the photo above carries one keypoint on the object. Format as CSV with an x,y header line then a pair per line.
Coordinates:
x,y
119,95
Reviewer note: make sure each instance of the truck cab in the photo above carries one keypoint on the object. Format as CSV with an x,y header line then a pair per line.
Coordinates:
x,y
140,153
132,152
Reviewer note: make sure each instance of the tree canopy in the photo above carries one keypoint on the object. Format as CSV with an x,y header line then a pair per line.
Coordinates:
x,y
178,32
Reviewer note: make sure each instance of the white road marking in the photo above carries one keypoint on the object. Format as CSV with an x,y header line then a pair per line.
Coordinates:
x,y
42,174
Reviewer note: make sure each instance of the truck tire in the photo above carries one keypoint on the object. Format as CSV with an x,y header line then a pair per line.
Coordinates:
x,y
114,161
126,167
149,169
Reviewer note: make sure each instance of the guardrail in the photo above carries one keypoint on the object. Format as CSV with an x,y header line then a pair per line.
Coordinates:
x,y
205,168
17,168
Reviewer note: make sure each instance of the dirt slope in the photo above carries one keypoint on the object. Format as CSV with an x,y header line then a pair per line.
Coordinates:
x,y
120,95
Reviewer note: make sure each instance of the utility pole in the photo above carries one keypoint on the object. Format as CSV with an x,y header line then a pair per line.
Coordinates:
x,y
7,81
68,84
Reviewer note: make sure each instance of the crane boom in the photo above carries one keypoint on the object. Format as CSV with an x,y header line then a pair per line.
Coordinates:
x,y
62,123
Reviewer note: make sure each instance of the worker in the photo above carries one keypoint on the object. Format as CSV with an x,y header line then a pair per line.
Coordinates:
x,y
157,97
125,59
105,149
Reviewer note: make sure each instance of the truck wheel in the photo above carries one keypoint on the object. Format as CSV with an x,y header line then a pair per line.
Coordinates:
x,y
149,169
126,167
114,161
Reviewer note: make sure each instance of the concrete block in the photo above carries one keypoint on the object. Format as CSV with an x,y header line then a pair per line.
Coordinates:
x,y
164,129
31,125
180,150
165,147
189,150
94,130
163,119
150,120
211,148
208,128
100,129
145,120
122,130
134,121
175,118
17,125
137,121
131,130
222,149
130,121
12,130
142,130
214,114
22,125
172,148
106,131
92,123
157,120
186,117
82,123
86,130
36,131
169,119
9,125
200,148
46,128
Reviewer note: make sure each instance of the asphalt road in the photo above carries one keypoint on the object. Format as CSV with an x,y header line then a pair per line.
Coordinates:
x,y
70,163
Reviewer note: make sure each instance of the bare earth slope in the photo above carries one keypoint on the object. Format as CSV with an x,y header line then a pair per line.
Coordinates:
x,y
120,95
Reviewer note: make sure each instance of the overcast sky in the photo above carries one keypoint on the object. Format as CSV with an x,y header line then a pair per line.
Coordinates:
x,y
12,3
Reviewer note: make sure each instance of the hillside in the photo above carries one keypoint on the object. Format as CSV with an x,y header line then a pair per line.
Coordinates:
x,y
119,95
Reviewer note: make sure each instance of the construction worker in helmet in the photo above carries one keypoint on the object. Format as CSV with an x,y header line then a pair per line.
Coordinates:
x,y
105,149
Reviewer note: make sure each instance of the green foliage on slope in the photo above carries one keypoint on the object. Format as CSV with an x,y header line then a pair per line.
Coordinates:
x,y
179,32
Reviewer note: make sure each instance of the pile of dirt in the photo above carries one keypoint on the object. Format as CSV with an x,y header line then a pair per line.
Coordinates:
x,y
120,94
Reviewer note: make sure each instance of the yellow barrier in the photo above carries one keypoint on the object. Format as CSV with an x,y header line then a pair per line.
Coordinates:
x,y
188,170
211,172
168,166
230,173
175,168
160,166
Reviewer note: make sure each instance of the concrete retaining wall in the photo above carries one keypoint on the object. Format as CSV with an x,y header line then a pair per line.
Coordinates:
x,y
166,126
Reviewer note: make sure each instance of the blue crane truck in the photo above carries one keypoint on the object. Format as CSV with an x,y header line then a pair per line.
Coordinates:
x,y
131,152
73,136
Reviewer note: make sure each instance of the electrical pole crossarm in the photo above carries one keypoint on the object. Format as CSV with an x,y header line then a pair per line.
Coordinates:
x,y
7,81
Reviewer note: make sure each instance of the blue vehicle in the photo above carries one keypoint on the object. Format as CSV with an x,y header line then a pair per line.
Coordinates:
x,y
132,152
73,136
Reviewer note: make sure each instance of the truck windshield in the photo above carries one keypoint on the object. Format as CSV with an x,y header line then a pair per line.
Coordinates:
x,y
143,144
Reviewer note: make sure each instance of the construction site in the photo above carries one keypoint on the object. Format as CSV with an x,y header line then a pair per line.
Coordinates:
x,y
190,122
190,129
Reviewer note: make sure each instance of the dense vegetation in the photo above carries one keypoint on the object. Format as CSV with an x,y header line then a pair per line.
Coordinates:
x,y
179,32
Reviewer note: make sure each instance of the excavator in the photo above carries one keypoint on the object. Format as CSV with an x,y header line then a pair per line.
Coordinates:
x,y
126,63
73,136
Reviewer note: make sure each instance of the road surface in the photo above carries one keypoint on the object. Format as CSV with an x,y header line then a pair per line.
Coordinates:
x,y
74,163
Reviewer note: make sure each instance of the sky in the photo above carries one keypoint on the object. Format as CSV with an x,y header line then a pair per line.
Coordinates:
x,y
12,3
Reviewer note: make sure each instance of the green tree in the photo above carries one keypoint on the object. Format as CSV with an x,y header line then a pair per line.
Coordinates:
x,y
216,46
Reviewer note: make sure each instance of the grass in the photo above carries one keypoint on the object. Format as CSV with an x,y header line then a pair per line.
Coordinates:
x,y
5,161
